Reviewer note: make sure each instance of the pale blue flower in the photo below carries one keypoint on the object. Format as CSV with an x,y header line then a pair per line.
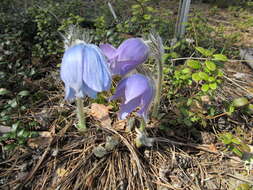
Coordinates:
x,y
134,91
127,57
84,71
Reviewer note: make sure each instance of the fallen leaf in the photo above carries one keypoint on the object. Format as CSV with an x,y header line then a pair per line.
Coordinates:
x,y
45,134
100,112
42,141
213,148
38,142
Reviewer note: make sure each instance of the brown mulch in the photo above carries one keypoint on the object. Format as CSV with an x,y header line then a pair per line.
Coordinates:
x,y
62,158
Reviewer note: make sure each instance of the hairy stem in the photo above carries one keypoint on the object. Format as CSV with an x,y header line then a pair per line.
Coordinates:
x,y
158,91
142,124
80,114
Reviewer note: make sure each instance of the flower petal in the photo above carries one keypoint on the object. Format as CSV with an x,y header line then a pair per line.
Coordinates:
x,y
123,67
146,103
133,49
69,93
108,50
136,85
135,91
72,67
96,74
85,90
127,108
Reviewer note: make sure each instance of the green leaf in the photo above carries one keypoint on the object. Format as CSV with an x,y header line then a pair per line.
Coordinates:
x,y
204,52
237,151
189,102
210,65
15,126
211,79
9,147
187,122
186,70
186,76
244,147
26,134
239,102
4,91
21,132
2,75
147,17
236,141
203,76
231,109
219,81
220,57
250,108
23,93
213,86
243,186
228,135
196,77
205,87
13,103
136,6
193,64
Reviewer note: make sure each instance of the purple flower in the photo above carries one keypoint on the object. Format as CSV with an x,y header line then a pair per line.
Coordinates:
x,y
129,54
134,91
84,71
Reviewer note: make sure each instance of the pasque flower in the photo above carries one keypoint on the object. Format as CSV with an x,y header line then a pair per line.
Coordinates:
x,y
134,91
127,56
84,71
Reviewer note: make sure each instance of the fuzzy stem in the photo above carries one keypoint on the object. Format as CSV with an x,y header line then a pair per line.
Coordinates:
x,y
80,114
142,124
158,91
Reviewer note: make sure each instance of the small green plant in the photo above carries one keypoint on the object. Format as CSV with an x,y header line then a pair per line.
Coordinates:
x,y
16,137
143,19
240,103
234,144
46,40
244,186
194,83
199,30
70,20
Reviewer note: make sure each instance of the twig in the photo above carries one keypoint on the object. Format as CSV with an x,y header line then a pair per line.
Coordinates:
x,y
236,84
196,146
112,11
133,152
241,179
166,185
30,175
216,116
